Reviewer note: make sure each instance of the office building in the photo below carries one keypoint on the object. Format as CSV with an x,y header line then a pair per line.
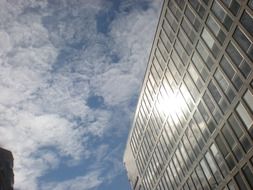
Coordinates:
x,y
6,170
193,126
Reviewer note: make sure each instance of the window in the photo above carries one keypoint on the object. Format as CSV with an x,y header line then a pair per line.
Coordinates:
x,y
196,180
248,174
188,30
232,5
168,31
198,7
200,66
221,14
248,97
205,55
240,181
195,77
175,11
236,127
192,18
166,42
210,42
201,177
247,21
225,85
244,115
243,42
181,52
208,174
213,167
231,73
184,41
216,29
197,134
171,20
191,87
219,160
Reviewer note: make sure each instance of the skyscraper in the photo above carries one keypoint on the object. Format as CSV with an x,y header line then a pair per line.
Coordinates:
x,y
6,172
193,126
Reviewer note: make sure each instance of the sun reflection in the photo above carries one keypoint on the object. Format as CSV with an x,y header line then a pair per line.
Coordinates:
x,y
172,105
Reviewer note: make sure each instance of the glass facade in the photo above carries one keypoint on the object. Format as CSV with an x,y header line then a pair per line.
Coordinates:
x,y
193,126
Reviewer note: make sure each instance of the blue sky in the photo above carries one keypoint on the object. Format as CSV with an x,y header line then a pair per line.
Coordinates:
x,y
70,76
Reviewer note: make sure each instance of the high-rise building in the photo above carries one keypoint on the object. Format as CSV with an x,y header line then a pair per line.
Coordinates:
x,y
193,126
6,170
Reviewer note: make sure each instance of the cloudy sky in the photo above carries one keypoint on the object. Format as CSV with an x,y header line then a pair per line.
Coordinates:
x,y
70,75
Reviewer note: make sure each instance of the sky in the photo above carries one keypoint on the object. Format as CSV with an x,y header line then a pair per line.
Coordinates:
x,y
70,75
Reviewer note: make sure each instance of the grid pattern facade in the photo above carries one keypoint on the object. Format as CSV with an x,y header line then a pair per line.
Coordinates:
x,y
193,127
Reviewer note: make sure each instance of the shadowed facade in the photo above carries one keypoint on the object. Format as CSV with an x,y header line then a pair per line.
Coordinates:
x,y
6,170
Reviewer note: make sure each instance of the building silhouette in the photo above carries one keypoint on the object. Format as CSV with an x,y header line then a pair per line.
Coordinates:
x,y
6,170
193,126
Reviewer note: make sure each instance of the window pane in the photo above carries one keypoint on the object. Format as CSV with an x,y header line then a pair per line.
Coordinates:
x,y
244,115
221,14
248,174
248,97
247,22
240,181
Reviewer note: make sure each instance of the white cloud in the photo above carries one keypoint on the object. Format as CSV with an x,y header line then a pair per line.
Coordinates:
x,y
86,182
51,60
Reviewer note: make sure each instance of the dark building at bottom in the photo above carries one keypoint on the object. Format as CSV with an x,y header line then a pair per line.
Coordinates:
x,y
6,170
193,126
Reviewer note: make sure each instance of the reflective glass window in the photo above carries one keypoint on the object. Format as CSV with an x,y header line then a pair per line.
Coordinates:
x,y
187,96
168,31
195,77
231,73
216,29
180,3
247,21
190,183
200,66
232,5
240,181
174,71
171,20
184,41
196,5
188,146
178,63
244,115
243,42
175,11
208,174
200,121
219,159
181,52
224,84
210,42
197,134
162,54
192,18
248,174
205,55
213,167
221,146
221,14
201,177
188,30
174,172
191,87
232,185
196,180
248,97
